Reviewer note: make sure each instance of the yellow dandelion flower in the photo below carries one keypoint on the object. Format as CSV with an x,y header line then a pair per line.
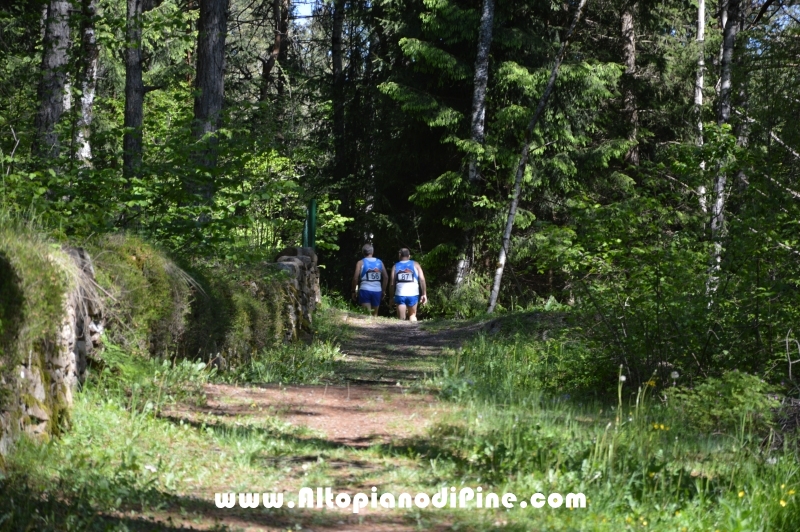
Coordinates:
x,y
783,503
652,474
662,427
644,523
651,382
791,492
783,486
741,494
677,513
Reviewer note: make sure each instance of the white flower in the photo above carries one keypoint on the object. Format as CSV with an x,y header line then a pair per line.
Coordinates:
x,y
674,375
151,468
622,378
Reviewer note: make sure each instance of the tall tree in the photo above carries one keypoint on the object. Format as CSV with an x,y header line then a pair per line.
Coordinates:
x,y
730,14
698,89
523,161
210,83
481,79
629,60
134,87
281,10
87,81
52,90
337,60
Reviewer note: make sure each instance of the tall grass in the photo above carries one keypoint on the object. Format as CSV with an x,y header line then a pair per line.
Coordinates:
x,y
641,460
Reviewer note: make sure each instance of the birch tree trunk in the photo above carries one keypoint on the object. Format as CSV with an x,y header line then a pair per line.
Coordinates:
x,y
52,88
629,58
477,129
523,161
731,17
210,80
87,81
698,92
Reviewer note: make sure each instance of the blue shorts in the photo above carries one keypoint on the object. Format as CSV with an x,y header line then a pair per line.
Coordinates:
x,y
409,301
373,298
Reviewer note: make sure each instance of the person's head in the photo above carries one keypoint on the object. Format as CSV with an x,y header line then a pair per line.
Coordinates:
x,y
368,250
404,254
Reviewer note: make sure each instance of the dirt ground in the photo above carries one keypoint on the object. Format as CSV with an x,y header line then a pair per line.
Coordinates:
x,y
379,403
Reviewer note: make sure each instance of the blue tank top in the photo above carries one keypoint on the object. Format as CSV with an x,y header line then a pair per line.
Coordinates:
x,y
371,275
406,279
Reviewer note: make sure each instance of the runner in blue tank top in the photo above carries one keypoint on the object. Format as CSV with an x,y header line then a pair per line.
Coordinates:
x,y
408,286
369,281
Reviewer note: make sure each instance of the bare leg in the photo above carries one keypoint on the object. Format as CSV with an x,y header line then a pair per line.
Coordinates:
x,y
412,313
401,312
369,308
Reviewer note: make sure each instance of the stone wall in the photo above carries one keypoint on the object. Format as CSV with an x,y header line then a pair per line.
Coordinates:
x,y
301,265
39,378
38,390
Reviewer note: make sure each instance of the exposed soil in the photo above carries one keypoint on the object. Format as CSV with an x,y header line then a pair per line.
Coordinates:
x,y
378,404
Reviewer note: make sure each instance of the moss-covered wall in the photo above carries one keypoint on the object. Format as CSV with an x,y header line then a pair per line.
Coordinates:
x,y
40,287
56,302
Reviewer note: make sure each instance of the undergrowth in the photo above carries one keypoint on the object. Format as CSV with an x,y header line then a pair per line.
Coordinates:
x,y
664,456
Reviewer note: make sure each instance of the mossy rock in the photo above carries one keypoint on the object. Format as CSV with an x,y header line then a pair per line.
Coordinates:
x,y
240,311
147,294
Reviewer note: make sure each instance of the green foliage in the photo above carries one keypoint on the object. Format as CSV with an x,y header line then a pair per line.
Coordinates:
x,y
466,301
148,385
237,312
523,355
290,364
725,404
35,278
147,295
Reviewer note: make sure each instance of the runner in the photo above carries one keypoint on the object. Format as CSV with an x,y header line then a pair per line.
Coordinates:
x,y
370,278
408,282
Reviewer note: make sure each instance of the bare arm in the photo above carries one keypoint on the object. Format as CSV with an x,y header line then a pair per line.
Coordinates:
x,y
384,278
423,289
391,285
356,278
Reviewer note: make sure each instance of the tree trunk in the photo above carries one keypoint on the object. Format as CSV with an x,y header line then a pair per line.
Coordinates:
x,y
698,92
629,58
281,10
53,83
731,16
338,88
477,129
523,161
212,29
87,81
134,90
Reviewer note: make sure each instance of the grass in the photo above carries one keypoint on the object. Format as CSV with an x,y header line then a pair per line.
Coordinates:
x,y
643,464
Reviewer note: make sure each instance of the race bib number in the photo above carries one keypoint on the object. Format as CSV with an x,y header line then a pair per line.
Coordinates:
x,y
373,276
405,277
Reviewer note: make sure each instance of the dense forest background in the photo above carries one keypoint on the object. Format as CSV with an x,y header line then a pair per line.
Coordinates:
x,y
655,194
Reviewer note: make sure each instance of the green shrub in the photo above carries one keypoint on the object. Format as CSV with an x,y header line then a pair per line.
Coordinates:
x,y
724,404
469,300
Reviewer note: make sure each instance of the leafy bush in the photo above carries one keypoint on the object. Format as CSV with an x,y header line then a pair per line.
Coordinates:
x,y
726,403
460,302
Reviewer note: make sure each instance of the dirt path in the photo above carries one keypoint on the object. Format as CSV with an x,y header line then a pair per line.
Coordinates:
x,y
376,403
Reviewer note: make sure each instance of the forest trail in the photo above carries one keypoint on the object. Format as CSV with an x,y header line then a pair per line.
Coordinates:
x,y
353,427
